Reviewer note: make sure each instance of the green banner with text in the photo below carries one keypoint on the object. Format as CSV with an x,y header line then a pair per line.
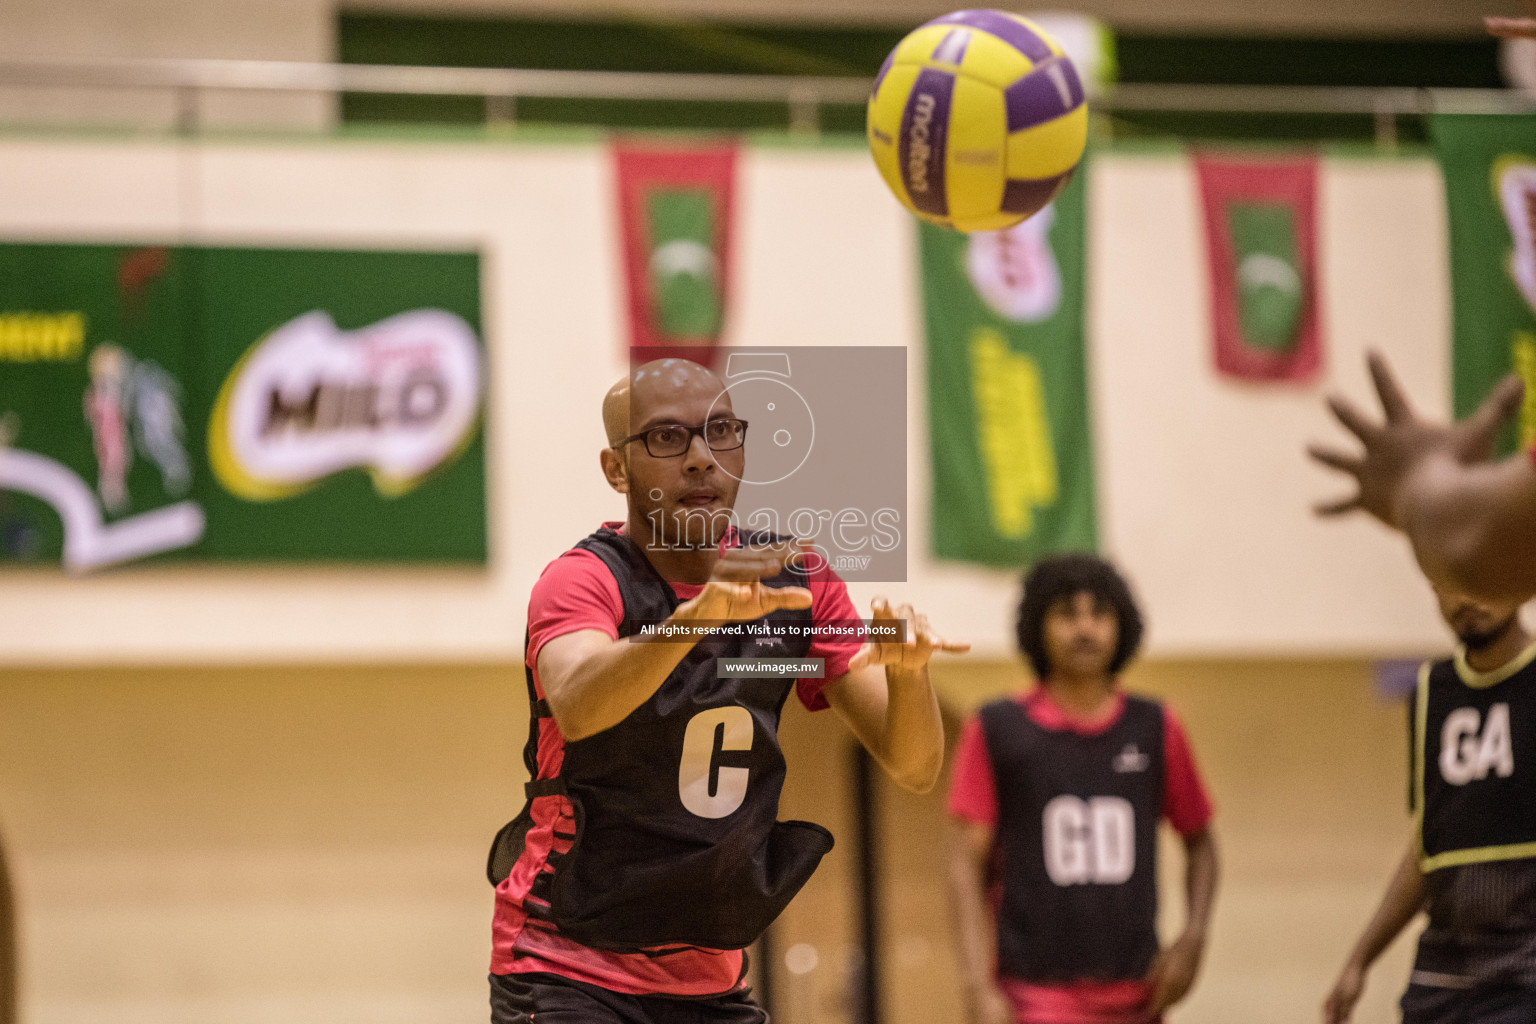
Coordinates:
x,y
1008,406
223,404
1489,164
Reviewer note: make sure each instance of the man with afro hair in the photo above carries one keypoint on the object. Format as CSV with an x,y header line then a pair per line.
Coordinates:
x,y
1055,799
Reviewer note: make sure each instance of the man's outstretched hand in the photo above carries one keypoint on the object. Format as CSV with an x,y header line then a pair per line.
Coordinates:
x,y
1404,443
911,655
735,590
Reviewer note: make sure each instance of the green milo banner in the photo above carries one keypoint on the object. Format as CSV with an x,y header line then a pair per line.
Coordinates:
x,y
1489,164
228,404
1007,388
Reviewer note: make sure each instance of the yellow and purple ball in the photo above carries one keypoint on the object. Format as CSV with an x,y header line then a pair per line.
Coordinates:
x,y
977,120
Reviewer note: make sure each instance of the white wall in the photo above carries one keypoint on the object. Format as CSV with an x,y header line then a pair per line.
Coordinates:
x,y
1203,481
1203,488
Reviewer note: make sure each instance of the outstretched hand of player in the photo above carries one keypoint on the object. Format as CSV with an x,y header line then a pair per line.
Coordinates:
x,y
1396,448
911,655
1346,993
1172,973
735,591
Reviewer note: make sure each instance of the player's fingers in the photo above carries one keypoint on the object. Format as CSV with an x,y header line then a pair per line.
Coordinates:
x,y
934,642
810,559
922,636
1393,402
1336,459
773,564
865,656
774,598
774,556
1347,413
1337,507
1501,406
734,595
794,551
751,563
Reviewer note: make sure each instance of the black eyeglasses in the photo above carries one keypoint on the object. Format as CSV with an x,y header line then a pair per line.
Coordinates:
x,y
673,439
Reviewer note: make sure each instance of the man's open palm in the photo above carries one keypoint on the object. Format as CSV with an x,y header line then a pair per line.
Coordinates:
x,y
1397,446
911,654
735,591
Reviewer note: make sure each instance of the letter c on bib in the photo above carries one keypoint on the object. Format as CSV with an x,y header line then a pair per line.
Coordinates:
x,y
733,725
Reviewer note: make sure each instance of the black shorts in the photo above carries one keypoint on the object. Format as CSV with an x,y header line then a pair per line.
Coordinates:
x,y
1480,1004
551,999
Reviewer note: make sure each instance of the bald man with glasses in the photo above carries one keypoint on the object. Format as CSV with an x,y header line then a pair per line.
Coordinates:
x,y
648,853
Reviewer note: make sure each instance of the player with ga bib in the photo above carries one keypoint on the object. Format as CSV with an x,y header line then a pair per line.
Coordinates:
x,y
1056,795
648,853
1472,861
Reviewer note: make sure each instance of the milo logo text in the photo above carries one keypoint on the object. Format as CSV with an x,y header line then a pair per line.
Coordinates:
x,y
416,400
397,399
918,147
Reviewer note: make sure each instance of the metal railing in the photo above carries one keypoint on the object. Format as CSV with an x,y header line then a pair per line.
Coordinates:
x,y
500,89
1384,105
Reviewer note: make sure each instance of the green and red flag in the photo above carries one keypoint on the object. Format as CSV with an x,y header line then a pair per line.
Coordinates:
x,y
1007,388
1261,250
1489,164
676,212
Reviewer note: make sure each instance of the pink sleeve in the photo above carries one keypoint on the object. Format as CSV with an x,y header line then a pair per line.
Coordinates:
x,y
576,591
1186,804
829,601
972,792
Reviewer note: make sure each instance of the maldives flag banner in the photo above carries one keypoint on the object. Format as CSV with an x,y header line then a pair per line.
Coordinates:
x,y
1261,252
676,213
1007,387
1489,165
